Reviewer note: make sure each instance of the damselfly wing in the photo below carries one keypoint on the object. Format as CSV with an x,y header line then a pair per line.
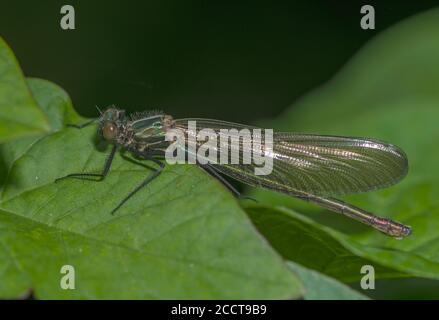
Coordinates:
x,y
316,167
321,165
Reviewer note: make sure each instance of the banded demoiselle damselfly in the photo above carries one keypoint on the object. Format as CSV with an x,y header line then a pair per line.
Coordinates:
x,y
310,167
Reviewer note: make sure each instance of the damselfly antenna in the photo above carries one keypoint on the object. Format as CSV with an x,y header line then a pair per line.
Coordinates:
x,y
99,110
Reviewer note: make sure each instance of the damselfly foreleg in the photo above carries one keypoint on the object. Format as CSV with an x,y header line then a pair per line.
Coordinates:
x,y
387,226
88,176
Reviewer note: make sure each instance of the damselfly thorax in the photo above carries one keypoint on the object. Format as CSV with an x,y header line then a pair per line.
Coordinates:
x,y
139,132
310,167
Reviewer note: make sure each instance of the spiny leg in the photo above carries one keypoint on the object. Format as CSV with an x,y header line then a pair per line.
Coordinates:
x,y
151,177
137,162
87,176
211,170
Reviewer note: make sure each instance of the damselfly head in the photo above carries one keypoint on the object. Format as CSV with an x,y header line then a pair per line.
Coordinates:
x,y
110,122
112,114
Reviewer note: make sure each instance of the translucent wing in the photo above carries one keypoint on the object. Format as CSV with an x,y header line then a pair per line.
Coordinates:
x,y
316,164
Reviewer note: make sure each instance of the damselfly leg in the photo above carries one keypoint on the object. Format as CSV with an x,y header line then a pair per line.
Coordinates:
x,y
80,126
88,176
148,179
106,169
211,170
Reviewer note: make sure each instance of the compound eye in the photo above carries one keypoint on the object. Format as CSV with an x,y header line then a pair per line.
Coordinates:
x,y
109,131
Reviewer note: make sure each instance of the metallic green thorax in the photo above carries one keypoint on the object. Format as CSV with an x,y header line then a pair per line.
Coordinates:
x,y
141,132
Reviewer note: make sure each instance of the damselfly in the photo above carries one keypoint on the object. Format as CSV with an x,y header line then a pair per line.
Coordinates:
x,y
313,168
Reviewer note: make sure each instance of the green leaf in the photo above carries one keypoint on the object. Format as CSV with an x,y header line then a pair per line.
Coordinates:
x,y
183,236
56,104
387,91
321,287
20,116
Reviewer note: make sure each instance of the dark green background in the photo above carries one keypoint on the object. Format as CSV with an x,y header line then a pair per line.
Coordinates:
x,y
237,61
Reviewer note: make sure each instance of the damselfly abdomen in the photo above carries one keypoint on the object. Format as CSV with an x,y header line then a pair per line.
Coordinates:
x,y
309,167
